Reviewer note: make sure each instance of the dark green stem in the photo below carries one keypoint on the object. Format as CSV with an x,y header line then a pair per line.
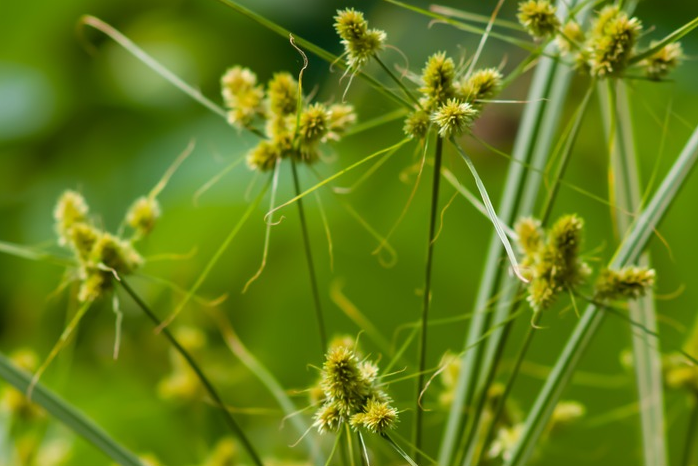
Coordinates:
x,y
691,433
422,350
397,81
199,373
309,260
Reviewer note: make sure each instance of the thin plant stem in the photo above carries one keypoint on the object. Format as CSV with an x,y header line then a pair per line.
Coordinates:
x,y
422,349
397,81
309,260
691,433
501,403
237,430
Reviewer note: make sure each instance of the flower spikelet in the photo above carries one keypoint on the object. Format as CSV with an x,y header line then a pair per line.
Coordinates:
x,y
611,43
360,43
70,209
417,124
627,283
538,17
437,80
481,85
263,156
454,117
378,417
241,95
142,215
571,37
282,94
663,61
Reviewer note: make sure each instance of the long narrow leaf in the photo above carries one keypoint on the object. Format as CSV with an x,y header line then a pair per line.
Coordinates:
x,y
67,414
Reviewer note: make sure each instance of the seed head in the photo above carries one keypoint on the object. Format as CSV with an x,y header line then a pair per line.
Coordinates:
x,y
115,254
481,85
343,381
328,418
454,117
538,17
241,95
530,236
143,214
571,37
626,283
282,94
662,62
611,43
417,124
70,209
377,418
342,117
82,238
263,156
360,43
437,80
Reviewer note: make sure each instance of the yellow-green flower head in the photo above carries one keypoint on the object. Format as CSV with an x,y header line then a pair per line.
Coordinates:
x,y
142,215
343,382
566,413
377,418
70,209
538,17
627,283
82,238
360,43
328,418
611,43
342,117
115,254
454,117
663,61
263,156
417,124
564,242
678,373
541,293
224,453
530,236
571,37
437,80
314,125
481,85
282,94
241,95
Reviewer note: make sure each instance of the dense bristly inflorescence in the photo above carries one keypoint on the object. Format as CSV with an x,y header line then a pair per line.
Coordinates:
x,y
360,43
350,394
100,254
606,48
287,130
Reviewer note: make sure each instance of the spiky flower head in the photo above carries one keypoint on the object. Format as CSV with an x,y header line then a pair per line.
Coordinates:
x,y
70,209
142,215
454,117
530,235
343,381
538,17
663,61
342,117
360,43
627,283
377,418
481,85
82,238
282,94
263,156
571,37
564,242
417,124
438,77
242,96
612,41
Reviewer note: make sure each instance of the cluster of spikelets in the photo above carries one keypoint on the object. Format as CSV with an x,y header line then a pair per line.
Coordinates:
x,y
350,394
360,43
606,48
552,264
288,131
99,254
449,99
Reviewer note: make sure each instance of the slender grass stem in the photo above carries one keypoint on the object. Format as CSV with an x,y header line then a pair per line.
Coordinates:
x,y
422,348
237,430
400,451
309,260
397,81
691,433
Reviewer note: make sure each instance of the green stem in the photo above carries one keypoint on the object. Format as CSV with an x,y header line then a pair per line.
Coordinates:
x,y
691,433
499,408
309,260
199,373
422,349
397,448
397,81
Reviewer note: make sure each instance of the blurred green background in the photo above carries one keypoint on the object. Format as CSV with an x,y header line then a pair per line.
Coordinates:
x,y
78,112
